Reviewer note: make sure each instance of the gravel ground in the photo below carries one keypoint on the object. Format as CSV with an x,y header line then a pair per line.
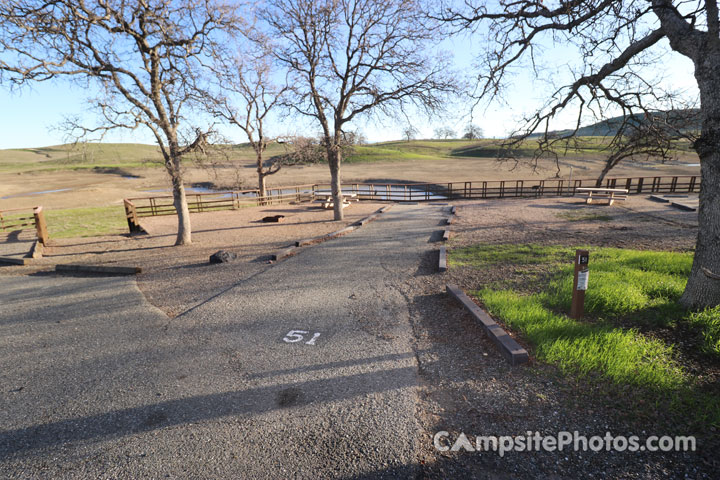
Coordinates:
x,y
468,387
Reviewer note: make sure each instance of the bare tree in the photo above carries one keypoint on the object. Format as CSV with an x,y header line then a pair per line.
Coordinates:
x,y
351,58
472,132
650,137
301,151
251,82
616,41
444,133
409,133
145,57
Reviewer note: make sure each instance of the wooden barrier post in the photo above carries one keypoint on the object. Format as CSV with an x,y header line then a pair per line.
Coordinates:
x,y
131,216
580,283
40,225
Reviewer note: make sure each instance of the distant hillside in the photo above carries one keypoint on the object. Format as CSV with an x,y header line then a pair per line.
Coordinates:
x,y
686,120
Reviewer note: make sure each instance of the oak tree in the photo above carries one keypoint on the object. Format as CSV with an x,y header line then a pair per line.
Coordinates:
x,y
352,58
146,58
618,47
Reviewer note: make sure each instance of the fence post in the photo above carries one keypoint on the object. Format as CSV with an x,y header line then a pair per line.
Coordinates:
x,y
40,225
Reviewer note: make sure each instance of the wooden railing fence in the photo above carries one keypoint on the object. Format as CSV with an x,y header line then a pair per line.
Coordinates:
x,y
21,218
136,208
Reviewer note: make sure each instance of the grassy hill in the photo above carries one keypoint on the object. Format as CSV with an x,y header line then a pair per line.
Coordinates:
x,y
685,120
119,157
78,157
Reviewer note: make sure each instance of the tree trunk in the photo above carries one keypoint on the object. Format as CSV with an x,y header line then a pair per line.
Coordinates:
x,y
262,190
334,159
181,207
702,289
606,169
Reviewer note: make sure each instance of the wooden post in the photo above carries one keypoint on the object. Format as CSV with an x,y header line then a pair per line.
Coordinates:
x,y
580,282
40,225
132,219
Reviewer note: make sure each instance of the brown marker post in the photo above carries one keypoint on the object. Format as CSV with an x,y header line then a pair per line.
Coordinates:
x,y
580,283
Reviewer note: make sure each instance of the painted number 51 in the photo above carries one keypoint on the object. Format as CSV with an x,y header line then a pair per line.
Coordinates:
x,y
294,336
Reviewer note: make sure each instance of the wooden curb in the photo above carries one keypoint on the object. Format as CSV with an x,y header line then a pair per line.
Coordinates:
x,y
16,261
446,235
74,268
288,252
442,260
386,208
509,348
453,210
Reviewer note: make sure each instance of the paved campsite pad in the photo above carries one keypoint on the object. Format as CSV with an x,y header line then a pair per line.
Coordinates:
x,y
227,389
220,392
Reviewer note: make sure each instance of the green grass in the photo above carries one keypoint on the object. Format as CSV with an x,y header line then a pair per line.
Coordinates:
x,y
86,222
624,356
628,291
708,322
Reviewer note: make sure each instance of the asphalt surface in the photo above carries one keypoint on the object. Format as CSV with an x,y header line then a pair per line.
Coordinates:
x,y
304,370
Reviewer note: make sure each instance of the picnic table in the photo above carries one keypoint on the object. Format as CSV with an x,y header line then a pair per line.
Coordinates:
x,y
327,200
609,194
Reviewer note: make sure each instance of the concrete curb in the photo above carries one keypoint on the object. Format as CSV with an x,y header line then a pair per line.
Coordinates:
x,y
442,260
509,348
16,261
310,241
74,268
37,250
446,235
684,206
367,220
288,252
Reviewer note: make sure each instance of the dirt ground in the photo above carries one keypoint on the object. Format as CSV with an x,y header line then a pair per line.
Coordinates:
x,y
638,222
178,278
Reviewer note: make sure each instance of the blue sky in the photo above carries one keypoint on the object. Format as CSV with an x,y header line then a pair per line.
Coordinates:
x,y
30,117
